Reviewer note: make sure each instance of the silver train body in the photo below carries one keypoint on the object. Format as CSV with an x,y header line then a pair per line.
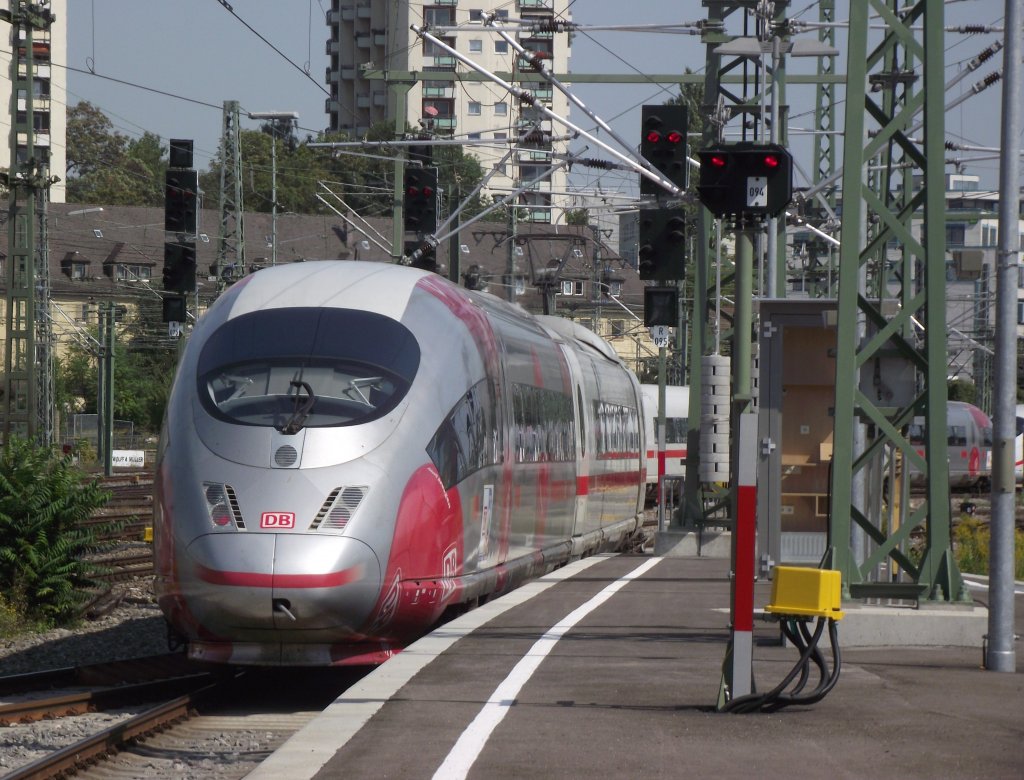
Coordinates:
x,y
352,449
968,442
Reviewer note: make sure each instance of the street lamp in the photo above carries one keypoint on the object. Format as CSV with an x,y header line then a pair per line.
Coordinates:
x,y
274,117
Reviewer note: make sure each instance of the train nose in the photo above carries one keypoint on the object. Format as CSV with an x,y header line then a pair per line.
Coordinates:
x,y
282,582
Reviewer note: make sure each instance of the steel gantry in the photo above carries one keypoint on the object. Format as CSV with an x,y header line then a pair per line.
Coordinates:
x,y
28,406
891,332
231,236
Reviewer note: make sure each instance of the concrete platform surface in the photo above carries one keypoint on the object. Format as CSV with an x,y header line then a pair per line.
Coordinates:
x,y
610,668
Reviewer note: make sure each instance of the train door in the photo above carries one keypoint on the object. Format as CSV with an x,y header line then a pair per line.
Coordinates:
x,y
582,424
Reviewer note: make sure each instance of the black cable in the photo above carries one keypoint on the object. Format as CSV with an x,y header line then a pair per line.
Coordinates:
x,y
796,631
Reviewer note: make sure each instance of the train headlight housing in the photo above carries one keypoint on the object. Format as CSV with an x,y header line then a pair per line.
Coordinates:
x,y
222,506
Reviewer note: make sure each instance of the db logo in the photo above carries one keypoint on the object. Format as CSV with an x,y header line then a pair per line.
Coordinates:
x,y
277,520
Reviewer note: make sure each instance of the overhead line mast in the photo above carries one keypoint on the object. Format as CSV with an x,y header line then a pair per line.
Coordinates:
x,y
28,406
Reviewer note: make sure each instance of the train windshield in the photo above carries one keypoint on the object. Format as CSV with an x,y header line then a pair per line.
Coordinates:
x,y
306,368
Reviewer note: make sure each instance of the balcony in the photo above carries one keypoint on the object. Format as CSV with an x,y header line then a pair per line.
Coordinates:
x,y
362,40
444,122
445,2
527,4
380,98
348,72
348,13
362,101
442,90
444,61
364,10
333,47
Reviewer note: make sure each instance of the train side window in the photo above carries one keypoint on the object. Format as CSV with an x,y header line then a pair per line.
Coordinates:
x,y
469,438
675,430
915,434
956,436
1020,426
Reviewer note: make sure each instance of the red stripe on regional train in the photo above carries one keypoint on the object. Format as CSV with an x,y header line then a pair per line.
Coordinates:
x,y
651,454
252,579
618,479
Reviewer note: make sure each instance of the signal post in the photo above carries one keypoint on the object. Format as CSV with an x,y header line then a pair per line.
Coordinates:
x,y
660,257
744,183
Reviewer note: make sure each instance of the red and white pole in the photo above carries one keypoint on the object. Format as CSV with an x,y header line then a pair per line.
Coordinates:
x,y
744,557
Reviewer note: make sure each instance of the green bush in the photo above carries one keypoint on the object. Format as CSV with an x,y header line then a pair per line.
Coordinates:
x,y
44,573
971,540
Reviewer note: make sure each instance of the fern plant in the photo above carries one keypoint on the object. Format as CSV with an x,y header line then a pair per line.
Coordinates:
x,y
44,498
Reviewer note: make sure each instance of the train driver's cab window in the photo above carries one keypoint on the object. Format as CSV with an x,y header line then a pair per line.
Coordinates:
x,y
956,435
306,368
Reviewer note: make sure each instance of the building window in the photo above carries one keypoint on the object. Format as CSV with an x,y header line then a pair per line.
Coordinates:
x,y
85,313
615,289
474,108
134,272
1020,312
616,328
79,270
476,46
439,16
501,109
501,47
501,168
955,234
473,136
570,287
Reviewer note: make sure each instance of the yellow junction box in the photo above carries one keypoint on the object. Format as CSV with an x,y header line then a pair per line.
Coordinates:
x,y
807,592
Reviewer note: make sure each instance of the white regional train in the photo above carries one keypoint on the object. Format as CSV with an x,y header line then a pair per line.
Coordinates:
x,y
352,449
677,405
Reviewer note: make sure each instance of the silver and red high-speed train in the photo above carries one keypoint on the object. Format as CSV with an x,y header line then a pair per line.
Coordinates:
x,y
351,449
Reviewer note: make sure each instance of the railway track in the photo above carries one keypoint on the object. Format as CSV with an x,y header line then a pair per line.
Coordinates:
x,y
185,719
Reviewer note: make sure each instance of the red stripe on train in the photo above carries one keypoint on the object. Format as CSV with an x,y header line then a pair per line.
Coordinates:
x,y
252,579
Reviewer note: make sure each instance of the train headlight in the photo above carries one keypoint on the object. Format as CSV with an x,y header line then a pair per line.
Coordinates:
x,y
222,505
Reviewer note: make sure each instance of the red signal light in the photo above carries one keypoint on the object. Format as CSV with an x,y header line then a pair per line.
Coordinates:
x,y
412,192
428,191
771,161
653,136
674,137
717,160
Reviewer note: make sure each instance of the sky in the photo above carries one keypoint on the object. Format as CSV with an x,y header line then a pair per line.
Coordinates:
x,y
202,54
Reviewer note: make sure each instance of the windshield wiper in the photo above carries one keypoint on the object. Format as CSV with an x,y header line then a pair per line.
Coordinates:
x,y
302,408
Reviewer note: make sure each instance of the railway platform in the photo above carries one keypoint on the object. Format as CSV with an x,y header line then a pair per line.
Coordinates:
x,y
610,667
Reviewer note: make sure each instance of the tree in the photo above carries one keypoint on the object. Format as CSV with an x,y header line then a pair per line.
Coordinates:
x,y
105,166
145,360
577,217
43,501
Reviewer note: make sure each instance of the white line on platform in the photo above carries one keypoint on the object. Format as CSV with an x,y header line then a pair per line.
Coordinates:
x,y
471,743
1018,591
306,752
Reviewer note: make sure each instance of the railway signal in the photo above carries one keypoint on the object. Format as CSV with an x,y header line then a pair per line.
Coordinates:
x,y
745,179
661,306
180,200
662,243
421,200
179,267
663,145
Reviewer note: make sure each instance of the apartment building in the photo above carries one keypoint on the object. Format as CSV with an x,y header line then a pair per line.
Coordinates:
x,y
446,99
49,96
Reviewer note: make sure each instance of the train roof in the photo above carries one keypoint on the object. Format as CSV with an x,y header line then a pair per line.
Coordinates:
x,y
381,287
